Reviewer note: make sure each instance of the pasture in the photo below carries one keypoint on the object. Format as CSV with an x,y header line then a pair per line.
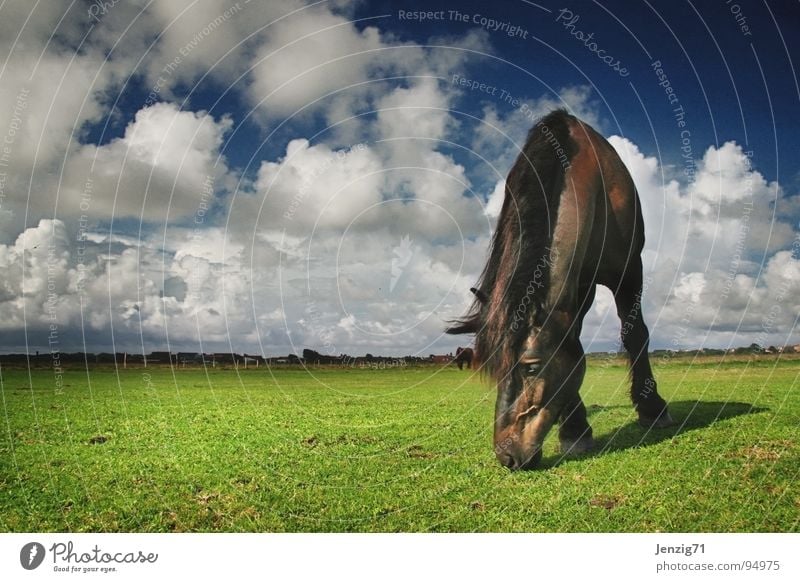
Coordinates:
x,y
404,449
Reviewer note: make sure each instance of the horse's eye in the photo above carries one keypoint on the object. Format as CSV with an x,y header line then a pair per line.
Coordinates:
x,y
533,369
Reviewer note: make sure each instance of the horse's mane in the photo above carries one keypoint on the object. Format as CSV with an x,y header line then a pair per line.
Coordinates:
x,y
516,276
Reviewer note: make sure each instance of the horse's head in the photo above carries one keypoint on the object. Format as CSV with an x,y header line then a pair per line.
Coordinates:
x,y
542,382
538,364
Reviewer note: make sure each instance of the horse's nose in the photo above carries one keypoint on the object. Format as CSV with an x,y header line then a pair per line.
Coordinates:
x,y
518,460
507,460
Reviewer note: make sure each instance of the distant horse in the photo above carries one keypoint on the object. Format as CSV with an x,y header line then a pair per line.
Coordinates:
x,y
463,356
570,221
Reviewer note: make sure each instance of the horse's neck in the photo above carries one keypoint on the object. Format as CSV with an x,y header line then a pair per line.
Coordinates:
x,y
572,231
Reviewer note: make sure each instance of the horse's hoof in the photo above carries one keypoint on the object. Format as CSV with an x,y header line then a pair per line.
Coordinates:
x,y
574,447
663,420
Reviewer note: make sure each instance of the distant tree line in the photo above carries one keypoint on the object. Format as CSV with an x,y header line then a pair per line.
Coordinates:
x,y
309,357
183,359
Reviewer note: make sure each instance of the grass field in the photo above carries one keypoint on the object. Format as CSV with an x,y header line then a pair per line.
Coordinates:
x,y
405,449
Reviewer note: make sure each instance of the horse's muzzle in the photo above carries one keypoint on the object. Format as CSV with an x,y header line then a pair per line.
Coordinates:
x,y
519,446
520,462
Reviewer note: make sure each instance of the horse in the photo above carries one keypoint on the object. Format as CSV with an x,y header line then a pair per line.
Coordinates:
x,y
570,220
463,356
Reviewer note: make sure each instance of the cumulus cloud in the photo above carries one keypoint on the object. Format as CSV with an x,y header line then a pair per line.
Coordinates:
x,y
339,220
318,186
52,95
382,286
495,202
309,54
88,288
36,276
298,228
317,58
207,38
375,244
161,167
364,227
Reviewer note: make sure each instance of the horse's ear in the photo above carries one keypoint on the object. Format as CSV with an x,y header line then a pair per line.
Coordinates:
x,y
480,295
466,325
471,323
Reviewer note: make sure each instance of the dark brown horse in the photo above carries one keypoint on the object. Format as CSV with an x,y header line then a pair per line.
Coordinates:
x,y
570,221
463,356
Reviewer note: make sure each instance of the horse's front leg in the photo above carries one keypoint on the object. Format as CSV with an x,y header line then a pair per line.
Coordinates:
x,y
574,432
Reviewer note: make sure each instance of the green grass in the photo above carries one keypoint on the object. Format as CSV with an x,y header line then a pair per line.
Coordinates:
x,y
389,450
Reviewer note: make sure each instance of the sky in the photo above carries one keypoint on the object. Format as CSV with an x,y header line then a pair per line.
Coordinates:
x,y
264,177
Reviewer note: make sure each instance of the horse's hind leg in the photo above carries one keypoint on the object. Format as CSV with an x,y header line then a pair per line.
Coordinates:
x,y
651,407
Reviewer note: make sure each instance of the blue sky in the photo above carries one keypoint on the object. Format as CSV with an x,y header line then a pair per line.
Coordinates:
x,y
734,83
265,177
713,65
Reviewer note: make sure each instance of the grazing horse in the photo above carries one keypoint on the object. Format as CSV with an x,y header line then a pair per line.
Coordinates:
x,y
570,221
463,356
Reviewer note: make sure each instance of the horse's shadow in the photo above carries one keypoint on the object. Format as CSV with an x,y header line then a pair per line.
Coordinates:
x,y
688,414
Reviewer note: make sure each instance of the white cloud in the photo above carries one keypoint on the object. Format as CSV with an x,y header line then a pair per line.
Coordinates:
x,y
318,52
308,55
495,203
318,186
45,99
164,166
35,275
84,287
312,246
207,38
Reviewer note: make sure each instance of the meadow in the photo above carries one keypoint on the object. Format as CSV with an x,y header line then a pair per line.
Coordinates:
x,y
389,450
